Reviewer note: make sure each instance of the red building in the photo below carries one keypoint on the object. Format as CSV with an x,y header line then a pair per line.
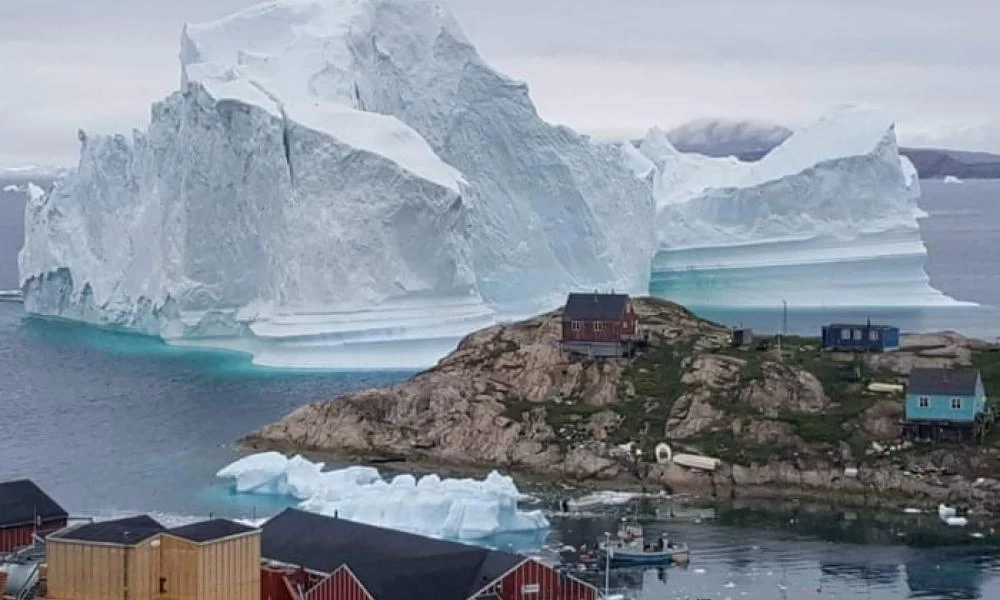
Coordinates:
x,y
598,324
25,510
345,560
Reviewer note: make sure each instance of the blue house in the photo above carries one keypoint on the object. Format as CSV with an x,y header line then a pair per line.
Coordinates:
x,y
939,400
860,338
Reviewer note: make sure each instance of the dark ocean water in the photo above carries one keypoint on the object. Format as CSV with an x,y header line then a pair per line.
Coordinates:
x,y
112,423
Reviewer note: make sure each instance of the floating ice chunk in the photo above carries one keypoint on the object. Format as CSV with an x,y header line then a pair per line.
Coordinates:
x,y
602,498
951,179
956,521
449,508
978,535
912,511
11,188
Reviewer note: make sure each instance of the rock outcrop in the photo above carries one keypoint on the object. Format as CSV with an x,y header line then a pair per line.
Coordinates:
x,y
509,397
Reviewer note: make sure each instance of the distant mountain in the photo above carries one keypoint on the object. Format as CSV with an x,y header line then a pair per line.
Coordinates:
x,y
746,140
751,140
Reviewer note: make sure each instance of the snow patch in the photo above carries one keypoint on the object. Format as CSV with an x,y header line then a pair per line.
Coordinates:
x,y
446,508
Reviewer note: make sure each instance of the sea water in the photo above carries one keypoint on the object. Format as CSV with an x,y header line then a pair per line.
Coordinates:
x,y
112,423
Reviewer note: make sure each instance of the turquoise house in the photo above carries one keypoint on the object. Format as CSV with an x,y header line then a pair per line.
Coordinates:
x,y
952,396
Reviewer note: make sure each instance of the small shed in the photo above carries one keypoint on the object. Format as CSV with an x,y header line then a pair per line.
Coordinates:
x,y
866,337
139,559
25,510
740,336
353,561
598,324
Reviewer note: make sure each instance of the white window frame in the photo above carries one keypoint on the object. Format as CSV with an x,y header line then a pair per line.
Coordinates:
x,y
576,325
858,334
956,404
924,402
873,335
845,334
598,325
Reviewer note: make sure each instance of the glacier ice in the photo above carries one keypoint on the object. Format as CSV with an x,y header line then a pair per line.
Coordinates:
x,y
447,508
333,174
829,217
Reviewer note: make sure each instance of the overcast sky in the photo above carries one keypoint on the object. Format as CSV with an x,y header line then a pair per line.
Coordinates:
x,y
611,68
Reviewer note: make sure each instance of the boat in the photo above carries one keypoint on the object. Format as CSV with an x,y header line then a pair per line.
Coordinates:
x,y
631,547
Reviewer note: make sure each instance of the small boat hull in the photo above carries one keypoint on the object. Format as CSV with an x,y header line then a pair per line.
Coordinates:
x,y
625,557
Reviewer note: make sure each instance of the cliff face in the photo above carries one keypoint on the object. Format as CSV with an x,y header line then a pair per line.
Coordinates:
x,y
509,397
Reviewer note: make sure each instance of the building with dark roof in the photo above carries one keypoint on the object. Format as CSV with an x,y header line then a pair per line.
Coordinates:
x,y
346,560
598,324
140,559
946,401
26,511
867,337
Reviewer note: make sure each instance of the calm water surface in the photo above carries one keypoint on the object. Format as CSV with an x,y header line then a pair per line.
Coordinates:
x,y
112,423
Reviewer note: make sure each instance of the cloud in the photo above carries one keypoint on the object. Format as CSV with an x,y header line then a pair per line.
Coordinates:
x,y
609,68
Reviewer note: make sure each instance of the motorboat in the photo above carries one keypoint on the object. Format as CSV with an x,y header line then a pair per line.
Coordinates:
x,y
631,547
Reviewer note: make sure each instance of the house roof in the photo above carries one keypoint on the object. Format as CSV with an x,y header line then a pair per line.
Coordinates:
x,y
124,532
595,307
943,382
207,531
392,565
22,501
861,326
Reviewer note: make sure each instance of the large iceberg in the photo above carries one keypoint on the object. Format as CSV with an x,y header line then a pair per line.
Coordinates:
x,y
447,508
331,177
827,218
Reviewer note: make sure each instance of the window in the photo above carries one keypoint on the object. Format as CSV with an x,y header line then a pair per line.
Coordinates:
x,y
857,335
575,325
956,404
598,326
873,335
845,334
924,402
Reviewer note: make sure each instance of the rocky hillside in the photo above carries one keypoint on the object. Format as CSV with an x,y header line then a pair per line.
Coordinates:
x,y
509,397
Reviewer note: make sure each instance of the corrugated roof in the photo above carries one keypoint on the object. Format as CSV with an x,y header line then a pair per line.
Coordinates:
x,y
125,532
392,565
206,531
22,501
595,307
943,382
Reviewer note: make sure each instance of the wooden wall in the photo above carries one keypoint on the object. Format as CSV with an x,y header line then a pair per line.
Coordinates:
x,y
81,571
224,570
340,585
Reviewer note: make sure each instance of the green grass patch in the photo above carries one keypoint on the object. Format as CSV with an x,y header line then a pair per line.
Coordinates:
x,y
655,376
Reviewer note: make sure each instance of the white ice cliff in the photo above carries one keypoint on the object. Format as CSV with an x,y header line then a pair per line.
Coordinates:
x,y
448,508
828,218
345,183
333,176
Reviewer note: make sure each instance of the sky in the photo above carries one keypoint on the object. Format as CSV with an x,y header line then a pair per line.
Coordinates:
x,y
610,68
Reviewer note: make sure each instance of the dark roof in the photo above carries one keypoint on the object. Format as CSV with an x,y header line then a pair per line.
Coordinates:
x,y
22,501
595,307
206,531
125,532
861,326
392,565
943,382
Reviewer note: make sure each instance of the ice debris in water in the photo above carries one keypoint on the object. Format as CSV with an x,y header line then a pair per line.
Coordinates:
x,y
447,508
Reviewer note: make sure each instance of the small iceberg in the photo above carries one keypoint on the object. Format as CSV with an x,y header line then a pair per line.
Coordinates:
x,y
597,499
462,509
957,521
951,179
912,511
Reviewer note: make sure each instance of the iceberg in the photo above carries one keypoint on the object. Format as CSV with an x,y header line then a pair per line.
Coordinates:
x,y
333,177
827,218
11,188
951,179
462,509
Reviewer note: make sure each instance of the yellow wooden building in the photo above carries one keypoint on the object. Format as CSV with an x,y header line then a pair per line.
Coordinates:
x,y
139,559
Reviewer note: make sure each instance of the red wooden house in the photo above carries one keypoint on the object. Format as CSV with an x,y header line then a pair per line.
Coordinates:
x,y
598,324
25,510
345,560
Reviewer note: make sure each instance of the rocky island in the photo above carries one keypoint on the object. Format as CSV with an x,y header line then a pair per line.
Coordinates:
x,y
795,421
